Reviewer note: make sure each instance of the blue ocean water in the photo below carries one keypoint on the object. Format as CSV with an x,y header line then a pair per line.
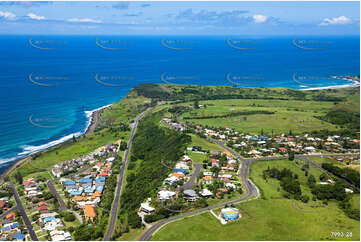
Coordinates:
x,y
49,84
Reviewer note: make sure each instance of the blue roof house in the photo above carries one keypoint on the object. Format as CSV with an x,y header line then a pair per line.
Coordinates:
x,y
4,229
181,170
100,188
19,236
89,190
100,179
75,192
86,180
69,183
48,219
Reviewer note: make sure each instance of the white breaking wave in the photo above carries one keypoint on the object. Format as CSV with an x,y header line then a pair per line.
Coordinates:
x,y
6,160
31,149
89,115
355,84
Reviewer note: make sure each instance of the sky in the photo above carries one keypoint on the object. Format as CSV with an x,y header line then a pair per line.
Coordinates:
x,y
179,18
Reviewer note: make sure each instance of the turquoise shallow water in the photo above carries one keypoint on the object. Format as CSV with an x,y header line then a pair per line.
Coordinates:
x,y
50,83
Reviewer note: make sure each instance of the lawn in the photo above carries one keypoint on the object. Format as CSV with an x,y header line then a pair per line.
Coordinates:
x,y
270,218
205,144
295,115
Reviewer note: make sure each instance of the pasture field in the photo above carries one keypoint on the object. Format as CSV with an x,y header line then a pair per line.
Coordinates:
x,y
298,116
271,217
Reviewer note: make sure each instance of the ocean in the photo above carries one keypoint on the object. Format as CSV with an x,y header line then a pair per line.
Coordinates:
x,y
50,85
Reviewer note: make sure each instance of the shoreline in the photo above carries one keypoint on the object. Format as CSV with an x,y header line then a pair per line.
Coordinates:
x,y
93,122
94,119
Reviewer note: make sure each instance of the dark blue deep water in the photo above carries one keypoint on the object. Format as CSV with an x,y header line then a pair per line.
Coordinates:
x,y
47,83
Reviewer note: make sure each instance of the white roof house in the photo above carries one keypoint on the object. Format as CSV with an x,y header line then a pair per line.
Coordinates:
x,y
145,207
231,185
310,148
348,190
171,180
206,193
52,225
165,195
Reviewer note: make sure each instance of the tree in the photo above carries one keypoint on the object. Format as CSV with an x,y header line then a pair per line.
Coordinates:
x,y
311,181
291,155
196,104
305,198
18,177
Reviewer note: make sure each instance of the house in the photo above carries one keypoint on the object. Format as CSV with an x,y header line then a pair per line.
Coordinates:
x,y
43,209
89,212
214,162
57,172
347,190
206,193
310,149
171,180
165,195
182,165
207,180
180,170
177,175
57,235
230,185
46,215
19,237
2,204
190,195
48,219
53,224
144,207
11,216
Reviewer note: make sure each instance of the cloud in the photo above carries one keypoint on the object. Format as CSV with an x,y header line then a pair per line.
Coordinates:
x,y
84,20
7,15
34,16
234,17
338,20
26,4
259,18
121,5
133,14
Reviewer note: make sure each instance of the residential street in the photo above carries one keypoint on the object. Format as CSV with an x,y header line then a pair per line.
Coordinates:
x,y
22,211
115,205
192,179
62,205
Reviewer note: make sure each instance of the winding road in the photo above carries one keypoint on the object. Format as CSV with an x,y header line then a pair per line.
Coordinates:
x,y
251,190
115,205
